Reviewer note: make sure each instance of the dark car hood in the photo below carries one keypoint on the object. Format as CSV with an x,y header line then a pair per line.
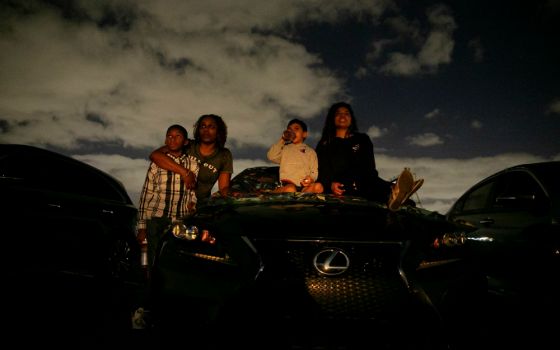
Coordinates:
x,y
306,216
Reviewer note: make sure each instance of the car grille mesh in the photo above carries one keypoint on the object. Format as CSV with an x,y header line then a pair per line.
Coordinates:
x,y
371,287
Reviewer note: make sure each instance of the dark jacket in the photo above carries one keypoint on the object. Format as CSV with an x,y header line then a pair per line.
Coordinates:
x,y
351,161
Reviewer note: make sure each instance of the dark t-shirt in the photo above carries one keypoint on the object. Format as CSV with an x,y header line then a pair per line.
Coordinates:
x,y
210,167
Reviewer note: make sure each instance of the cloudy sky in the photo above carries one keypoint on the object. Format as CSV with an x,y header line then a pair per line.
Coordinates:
x,y
455,90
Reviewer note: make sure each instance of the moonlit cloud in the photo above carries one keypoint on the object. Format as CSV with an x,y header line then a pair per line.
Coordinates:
x,y
476,124
433,114
425,140
439,44
376,132
102,80
435,48
162,62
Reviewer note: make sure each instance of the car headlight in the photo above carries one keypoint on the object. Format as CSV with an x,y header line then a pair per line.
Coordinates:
x,y
449,240
191,233
182,231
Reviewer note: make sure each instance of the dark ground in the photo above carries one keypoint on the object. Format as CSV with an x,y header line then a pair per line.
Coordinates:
x,y
68,318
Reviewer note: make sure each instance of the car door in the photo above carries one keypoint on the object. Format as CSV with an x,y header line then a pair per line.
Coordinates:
x,y
509,211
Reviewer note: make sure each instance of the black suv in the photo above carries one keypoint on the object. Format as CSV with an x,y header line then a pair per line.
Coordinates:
x,y
68,238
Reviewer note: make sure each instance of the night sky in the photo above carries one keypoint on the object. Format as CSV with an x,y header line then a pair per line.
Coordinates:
x,y
455,90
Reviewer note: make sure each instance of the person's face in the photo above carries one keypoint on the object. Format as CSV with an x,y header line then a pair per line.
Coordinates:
x,y
342,118
208,130
175,140
298,131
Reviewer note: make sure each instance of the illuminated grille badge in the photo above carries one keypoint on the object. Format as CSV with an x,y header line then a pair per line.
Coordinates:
x,y
331,262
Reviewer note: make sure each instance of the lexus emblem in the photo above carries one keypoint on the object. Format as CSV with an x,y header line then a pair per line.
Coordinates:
x,y
331,262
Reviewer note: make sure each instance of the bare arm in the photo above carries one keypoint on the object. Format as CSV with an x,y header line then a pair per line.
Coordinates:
x,y
160,157
223,183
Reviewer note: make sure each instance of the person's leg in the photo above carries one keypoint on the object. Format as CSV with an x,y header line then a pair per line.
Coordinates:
x,y
379,190
316,187
290,188
155,229
287,186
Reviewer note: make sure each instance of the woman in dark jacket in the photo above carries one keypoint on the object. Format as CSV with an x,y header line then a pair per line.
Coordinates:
x,y
347,162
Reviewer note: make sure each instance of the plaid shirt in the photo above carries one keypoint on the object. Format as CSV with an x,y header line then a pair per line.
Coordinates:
x,y
164,193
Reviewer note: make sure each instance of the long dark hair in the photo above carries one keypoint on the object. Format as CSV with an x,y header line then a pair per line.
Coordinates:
x,y
329,129
221,133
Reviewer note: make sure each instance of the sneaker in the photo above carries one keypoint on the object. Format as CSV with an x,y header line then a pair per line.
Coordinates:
x,y
401,188
138,321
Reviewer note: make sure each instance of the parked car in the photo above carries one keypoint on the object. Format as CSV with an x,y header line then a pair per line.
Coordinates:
x,y
515,214
301,270
68,237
